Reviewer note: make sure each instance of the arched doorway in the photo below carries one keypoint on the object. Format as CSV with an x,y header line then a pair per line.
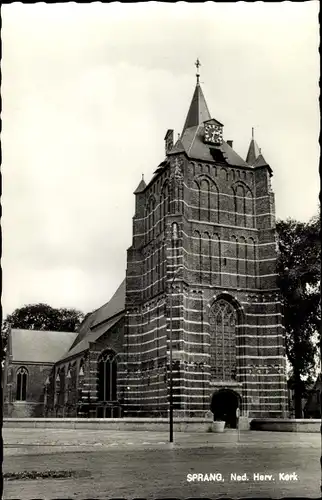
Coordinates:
x,y
224,406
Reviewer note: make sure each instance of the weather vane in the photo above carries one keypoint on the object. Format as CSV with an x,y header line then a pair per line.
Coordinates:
x,y
197,64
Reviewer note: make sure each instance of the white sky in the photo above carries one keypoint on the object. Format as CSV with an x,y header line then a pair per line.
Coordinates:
x,y
88,93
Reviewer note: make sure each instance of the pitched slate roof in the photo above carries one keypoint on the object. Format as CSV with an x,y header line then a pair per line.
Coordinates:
x,y
198,111
111,308
253,152
35,346
97,323
91,336
260,161
192,143
141,187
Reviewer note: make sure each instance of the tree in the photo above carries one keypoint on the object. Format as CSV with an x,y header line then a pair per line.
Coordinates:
x,y
298,267
41,317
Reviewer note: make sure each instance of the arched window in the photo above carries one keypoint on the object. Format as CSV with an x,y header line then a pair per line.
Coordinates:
x,y
233,264
249,208
158,269
152,208
196,250
151,274
164,204
61,386
216,259
251,263
242,256
206,260
163,266
223,320
22,377
107,376
196,201
205,199
240,206
174,244
151,217
146,223
214,203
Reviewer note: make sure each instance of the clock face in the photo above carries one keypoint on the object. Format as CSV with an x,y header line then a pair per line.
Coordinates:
x,y
213,134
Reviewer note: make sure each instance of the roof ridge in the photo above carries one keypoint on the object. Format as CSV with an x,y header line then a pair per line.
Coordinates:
x,y
47,331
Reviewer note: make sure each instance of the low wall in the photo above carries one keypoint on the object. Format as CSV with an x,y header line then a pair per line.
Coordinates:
x,y
23,409
112,424
160,424
286,425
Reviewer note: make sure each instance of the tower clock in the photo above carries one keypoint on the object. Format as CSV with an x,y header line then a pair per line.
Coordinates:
x,y
213,134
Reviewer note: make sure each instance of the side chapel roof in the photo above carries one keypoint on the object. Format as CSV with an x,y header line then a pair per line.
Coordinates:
x,y
97,323
38,346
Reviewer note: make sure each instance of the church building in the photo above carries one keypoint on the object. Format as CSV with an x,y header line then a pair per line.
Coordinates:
x,y
199,304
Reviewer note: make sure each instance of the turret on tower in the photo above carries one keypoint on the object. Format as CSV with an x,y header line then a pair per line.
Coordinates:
x,y
254,156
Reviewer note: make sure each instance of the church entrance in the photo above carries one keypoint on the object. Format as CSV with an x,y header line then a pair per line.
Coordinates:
x,y
224,406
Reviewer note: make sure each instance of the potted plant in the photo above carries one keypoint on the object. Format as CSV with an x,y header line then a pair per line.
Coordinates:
x,y
218,425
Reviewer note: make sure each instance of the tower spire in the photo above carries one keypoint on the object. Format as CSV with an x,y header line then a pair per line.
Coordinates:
x,y
198,111
197,64
254,152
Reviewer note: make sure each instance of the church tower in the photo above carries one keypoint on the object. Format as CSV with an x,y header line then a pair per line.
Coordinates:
x,y
201,273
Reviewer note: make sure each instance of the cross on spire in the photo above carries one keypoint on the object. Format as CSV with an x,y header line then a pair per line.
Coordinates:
x,y
197,64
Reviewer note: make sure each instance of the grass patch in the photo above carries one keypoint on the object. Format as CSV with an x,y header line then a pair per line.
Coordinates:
x,y
47,474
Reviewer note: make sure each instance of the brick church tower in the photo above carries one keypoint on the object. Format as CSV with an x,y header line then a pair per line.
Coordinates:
x,y
202,271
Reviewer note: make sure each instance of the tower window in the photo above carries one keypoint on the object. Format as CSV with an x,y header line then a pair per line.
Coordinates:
x,y
22,376
223,322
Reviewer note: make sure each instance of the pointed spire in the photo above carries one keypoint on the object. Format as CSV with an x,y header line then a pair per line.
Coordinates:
x,y
253,150
198,111
141,187
197,64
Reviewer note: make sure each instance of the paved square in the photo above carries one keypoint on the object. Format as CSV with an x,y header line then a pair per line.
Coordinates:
x,y
143,464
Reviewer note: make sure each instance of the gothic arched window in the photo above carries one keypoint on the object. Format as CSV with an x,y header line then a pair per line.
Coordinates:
x,y
240,205
22,377
242,259
206,258
164,204
251,263
234,260
196,199
249,208
223,320
205,199
107,376
196,250
152,208
214,202
216,259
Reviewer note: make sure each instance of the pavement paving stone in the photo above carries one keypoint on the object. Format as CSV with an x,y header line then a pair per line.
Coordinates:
x,y
163,473
151,467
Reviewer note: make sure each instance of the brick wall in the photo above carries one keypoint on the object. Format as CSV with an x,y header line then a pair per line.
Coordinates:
x,y
34,404
224,236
